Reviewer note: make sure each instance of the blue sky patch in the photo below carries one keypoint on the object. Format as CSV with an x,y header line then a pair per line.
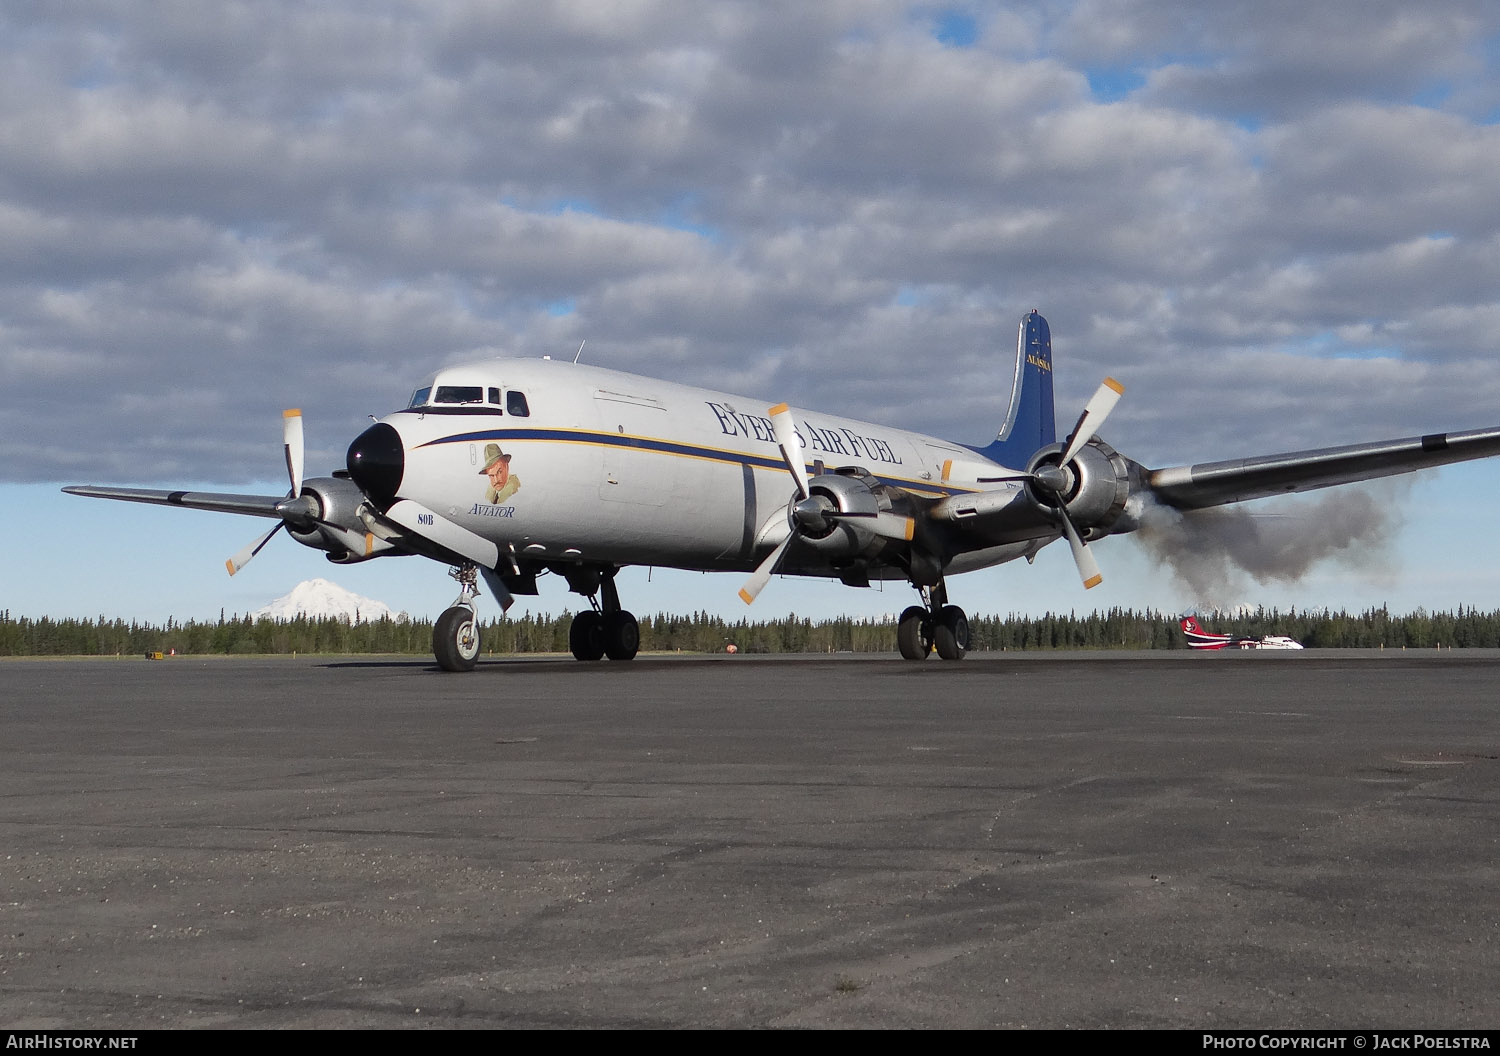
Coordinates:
x,y
956,29
1110,86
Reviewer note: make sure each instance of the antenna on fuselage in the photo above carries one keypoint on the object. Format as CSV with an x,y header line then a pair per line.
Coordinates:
x,y
580,349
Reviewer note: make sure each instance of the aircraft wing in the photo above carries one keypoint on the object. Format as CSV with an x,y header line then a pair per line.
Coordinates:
x,y
1216,483
254,505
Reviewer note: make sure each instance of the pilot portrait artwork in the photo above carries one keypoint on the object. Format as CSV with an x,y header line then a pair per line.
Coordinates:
x,y
503,483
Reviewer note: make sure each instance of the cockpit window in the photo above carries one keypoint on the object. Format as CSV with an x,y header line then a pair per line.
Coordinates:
x,y
515,403
460,394
420,396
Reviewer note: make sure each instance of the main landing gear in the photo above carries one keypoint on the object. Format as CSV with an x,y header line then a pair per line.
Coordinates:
x,y
933,623
606,629
455,637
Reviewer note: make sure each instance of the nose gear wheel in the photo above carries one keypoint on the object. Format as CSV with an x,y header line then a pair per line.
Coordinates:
x,y
455,636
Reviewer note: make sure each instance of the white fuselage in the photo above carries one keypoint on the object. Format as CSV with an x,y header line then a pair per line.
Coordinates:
x,y
613,467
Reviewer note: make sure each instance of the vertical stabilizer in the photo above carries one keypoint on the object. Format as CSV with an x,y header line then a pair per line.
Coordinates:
x,y
1198,638
1029,424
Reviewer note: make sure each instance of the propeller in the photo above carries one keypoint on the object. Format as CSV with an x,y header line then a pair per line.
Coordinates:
x,y
293,507
300,510
1054,478
812,512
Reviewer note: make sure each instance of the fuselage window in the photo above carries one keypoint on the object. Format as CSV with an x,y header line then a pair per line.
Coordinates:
x,y
515,403
460,394
420,396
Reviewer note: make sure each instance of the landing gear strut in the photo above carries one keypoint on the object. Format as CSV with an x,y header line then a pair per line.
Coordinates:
x,y
606,629
455,637
933,623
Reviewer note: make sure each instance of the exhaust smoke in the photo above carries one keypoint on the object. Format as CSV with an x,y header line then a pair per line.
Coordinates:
x,y
1213,552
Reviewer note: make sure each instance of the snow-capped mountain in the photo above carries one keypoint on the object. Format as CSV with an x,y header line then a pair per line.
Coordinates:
x,y
318,598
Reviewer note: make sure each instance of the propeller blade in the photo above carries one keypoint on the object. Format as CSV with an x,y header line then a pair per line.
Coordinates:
x,y
885,524
1088,568
241,559
498,588
1094,412
786,437
1003,480
1046,475
291,444
419,520
762,575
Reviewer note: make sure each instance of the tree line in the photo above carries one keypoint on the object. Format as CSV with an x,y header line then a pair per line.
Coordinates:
x,y
701,632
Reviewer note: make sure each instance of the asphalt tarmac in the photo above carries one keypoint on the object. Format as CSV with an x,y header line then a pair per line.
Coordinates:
x,y
1292,841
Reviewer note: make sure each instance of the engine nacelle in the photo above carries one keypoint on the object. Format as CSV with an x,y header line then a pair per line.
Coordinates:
x,y
337,529
1100,482
846,491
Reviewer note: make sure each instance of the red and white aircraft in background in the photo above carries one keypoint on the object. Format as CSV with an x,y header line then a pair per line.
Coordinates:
x,y
1198,638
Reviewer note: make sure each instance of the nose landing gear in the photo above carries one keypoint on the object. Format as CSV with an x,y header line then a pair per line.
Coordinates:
x,y
455,636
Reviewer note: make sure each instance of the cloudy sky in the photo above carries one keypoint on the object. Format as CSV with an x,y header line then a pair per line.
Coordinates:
x,y
1277,223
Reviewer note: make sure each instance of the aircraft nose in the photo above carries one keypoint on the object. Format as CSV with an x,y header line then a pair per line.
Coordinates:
x,y
377,461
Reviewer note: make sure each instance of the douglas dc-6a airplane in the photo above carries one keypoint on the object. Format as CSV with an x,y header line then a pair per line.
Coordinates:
x,y
510,469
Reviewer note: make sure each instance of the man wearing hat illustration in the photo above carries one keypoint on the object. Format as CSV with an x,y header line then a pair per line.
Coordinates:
x,y
497,466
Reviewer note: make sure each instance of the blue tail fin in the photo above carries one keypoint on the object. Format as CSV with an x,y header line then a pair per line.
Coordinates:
x,y
1029,424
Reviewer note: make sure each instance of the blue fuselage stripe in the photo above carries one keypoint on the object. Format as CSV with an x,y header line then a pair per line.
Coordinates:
x,y
667,447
